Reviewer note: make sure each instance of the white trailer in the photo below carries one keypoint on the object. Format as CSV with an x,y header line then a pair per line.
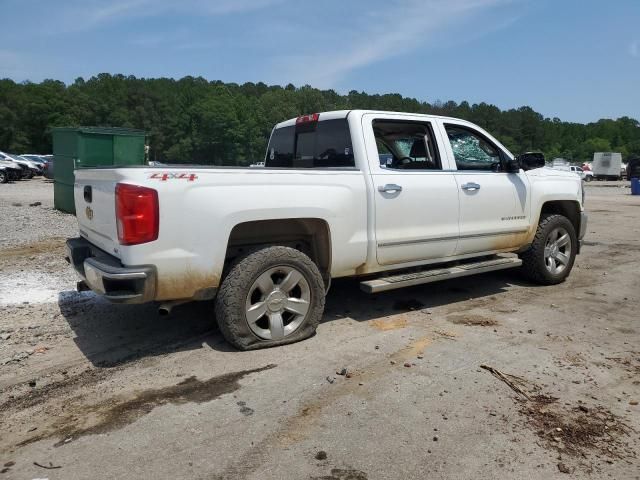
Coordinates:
x,y
606,165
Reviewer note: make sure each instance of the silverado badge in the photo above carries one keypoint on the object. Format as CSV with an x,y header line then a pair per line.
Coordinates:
x,y
89,213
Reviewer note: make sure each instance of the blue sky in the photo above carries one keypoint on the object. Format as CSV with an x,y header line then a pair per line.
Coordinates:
x,y
578,60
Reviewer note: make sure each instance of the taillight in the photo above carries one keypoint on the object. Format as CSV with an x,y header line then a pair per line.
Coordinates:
x,y
137,214
313,117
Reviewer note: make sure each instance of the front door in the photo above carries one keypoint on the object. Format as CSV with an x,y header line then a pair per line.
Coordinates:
x,y
416,201
494,205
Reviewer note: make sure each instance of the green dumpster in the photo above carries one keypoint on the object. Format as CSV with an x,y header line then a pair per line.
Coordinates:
x,y
84,147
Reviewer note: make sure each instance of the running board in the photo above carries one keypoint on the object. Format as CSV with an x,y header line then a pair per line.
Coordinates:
x,y
392,282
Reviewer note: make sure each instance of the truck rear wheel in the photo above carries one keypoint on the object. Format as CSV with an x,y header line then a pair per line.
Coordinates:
x,y
273,296
550,258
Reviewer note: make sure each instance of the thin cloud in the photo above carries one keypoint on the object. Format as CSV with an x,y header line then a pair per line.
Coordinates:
x,y
82,15
634,49
399,29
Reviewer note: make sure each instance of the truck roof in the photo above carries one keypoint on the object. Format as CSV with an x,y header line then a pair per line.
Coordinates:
x,y
334,114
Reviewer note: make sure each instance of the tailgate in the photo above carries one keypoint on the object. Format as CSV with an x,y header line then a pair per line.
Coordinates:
x,y
94,194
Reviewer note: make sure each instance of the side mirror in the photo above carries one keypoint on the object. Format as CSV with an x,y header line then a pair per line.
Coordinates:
x,y
513,166
531,160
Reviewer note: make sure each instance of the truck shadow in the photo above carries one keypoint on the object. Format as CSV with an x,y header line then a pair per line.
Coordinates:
x,y
110,335
346,300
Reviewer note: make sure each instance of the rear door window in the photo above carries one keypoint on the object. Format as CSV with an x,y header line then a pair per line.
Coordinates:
x,y
322,144
406,145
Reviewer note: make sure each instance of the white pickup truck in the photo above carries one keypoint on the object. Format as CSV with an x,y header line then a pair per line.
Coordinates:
x,y
449,200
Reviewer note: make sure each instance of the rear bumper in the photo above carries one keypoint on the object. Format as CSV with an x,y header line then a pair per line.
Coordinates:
x,y
105,275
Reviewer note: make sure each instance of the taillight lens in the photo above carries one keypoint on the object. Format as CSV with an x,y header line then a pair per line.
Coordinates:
x,y
137,214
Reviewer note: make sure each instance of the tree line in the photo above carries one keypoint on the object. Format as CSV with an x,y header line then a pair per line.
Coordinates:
x,y
193,120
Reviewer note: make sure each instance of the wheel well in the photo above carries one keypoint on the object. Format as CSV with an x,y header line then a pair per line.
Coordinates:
x,y
309,235
566,208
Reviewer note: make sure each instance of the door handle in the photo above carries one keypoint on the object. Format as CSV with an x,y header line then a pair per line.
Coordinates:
x,y
390,188
471,186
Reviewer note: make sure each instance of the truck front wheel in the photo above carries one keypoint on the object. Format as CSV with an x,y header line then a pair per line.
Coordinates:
x,y
270,297
550,258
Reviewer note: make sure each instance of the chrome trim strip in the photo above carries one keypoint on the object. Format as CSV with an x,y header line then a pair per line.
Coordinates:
x,y
440,239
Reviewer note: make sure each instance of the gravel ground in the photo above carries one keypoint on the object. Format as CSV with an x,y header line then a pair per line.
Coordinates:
x,y
27,215
484,377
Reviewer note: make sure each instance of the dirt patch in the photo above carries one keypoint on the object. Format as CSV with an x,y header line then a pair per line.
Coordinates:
x,y
446,333
579,430
471,319
48,245
112,415
60,389
576,430
393,323
575,359
630,362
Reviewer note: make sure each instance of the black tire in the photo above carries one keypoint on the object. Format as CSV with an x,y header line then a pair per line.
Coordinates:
x,y
231,301
3,177
588,178
534,265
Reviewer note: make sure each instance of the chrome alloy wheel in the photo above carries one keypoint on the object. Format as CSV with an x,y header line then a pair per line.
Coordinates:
x,y
277,302
557,251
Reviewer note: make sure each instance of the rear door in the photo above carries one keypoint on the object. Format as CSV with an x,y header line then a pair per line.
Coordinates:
x,y
416,199
494,204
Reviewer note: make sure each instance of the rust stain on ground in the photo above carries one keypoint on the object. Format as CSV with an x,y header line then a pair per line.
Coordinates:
x,y
394,323
417,347
412,350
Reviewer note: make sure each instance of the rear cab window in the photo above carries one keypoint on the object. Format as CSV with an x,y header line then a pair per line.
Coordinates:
x,y
311,144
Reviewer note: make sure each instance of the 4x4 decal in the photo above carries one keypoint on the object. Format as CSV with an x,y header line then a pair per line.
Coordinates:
x,y
164,176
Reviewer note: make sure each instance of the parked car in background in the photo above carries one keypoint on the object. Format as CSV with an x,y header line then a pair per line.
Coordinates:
x,y
39,160
28,168
35,168
12,170
48,167
4,174
586,175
